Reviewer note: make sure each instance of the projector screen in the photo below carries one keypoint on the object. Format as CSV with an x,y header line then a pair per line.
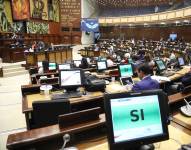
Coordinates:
x,y
89,25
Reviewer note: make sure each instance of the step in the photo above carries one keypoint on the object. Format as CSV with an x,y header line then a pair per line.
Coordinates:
x,y
15,73
11,66
13,69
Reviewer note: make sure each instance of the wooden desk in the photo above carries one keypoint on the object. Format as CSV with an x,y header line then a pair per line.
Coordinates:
x,y
174,133
47,134
35,136
180,73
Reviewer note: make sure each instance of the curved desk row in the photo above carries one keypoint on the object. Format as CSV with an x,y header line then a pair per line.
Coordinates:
x,y
58,56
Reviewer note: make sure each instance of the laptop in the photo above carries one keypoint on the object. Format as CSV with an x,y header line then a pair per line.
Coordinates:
x,y
126,80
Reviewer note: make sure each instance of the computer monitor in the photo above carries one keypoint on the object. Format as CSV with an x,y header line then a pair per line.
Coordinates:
x,y
77,63
64,66
52,66
173,36
71,79
181,61
125,70
39,64
160,65
101,65
136,119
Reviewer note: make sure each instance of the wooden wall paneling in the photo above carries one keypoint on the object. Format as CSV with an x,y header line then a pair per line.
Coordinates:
x,y
51,56
76,38
54,28
40,56
30,59
58,57
154,33
69,54
64,56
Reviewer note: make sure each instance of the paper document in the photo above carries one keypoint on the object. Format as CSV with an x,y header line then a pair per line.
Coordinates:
x,y
160,78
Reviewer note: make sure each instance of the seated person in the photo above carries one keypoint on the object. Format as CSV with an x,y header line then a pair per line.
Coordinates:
x,y
178,86
109,62
84,63
126,57
146,83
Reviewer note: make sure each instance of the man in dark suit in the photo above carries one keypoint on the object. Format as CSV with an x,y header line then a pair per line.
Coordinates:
x,y
146,83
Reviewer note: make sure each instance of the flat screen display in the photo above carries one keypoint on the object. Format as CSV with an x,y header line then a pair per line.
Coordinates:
x,y
126,70
64,66
161,65
173,37
70,78
181,61
101,65
136,117
90,25
52,66
77,63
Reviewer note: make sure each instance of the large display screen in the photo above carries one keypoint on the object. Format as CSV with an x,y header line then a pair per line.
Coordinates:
x,y
89,25
173,37
135,117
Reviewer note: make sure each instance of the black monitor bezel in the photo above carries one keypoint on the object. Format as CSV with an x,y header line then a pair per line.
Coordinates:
x,y
72,86
179,62
99,70
141,141
124,65
63,64
49,66
158,68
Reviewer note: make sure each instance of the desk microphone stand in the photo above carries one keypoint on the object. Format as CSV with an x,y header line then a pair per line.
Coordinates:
x,y
66,139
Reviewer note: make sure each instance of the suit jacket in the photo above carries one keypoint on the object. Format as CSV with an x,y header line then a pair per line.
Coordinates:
x,y
146,84
186,79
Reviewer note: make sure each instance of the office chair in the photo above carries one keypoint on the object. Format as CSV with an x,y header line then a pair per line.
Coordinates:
x,y
46,113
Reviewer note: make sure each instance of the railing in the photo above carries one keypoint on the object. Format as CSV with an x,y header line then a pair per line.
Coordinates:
x,y
148,18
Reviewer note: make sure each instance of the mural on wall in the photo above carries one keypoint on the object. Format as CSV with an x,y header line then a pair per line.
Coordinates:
x,y
37,27
20,9
19,27
53,10
5,16
39,9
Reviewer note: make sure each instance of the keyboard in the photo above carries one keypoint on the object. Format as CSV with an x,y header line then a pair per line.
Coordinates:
x,y
67,95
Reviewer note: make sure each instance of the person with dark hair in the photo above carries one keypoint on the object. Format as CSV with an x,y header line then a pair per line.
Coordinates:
x,y
146,83
84,63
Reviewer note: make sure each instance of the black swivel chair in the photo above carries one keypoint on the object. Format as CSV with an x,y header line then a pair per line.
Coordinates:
x,y
46,113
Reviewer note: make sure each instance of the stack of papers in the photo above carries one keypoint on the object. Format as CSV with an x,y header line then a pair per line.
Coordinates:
x,y
160,78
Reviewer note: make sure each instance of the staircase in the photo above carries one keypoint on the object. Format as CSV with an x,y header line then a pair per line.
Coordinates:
x,y
13,70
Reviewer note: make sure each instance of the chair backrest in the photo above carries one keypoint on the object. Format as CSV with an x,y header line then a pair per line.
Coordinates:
x,y
186,89
46,113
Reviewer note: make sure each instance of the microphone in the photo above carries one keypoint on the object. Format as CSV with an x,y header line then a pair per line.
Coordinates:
x,y
66,139
186,110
